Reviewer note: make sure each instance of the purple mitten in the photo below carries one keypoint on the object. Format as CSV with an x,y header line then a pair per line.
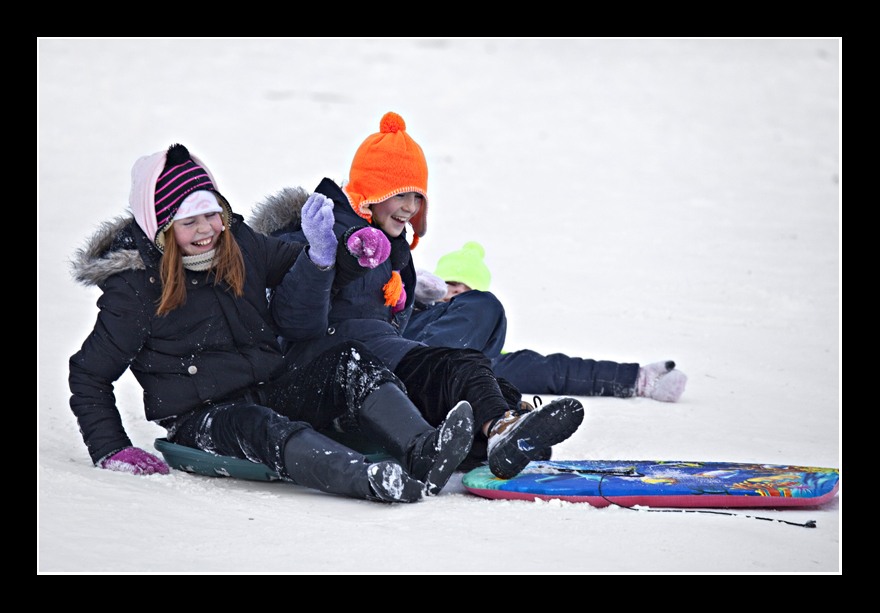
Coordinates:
x,y
661,381
317,224
135,461
370,246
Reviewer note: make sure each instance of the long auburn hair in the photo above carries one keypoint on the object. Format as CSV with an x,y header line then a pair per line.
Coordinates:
x,y
228,267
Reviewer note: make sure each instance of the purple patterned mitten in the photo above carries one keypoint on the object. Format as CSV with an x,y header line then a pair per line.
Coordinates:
x,y
135,461
317,224
370,246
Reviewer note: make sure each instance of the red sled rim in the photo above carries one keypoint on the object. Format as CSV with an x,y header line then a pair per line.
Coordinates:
x,y
673,502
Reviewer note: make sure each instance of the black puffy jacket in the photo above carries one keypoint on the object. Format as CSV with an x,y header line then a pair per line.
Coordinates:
x,y
357,310
215,346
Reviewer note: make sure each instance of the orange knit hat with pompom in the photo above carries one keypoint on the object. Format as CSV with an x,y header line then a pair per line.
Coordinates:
x,y
387,163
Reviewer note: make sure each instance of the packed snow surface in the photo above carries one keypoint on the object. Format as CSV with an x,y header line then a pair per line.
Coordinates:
x,y
638,201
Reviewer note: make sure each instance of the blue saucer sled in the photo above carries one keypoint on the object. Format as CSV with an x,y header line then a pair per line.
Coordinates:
x,y
208,464
662,484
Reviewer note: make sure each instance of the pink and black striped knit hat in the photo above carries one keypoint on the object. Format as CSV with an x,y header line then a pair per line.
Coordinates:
x,y
159,184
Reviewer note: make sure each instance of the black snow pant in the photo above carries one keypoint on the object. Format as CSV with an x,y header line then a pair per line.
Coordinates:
x,y
437,378
328,391
239,428
325,394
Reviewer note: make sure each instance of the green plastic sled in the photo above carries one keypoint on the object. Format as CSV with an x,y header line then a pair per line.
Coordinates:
x,y
208,464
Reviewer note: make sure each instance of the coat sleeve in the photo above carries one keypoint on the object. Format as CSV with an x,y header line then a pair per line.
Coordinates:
x,y
348,269
300,305
279,256
565,375
120,331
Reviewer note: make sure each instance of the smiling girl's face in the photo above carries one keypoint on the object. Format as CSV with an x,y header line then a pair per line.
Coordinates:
x,y
198,234
392,214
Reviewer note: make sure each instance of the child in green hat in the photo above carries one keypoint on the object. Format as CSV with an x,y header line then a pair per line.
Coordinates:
x,y
455,309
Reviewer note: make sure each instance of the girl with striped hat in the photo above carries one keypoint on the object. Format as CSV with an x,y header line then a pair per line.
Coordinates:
x,y
184,308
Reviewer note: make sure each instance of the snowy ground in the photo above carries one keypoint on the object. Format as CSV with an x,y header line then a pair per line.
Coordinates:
x,y
639,200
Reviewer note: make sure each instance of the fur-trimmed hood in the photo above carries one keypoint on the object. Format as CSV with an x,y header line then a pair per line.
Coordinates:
x,y
279,212
112,249
118,246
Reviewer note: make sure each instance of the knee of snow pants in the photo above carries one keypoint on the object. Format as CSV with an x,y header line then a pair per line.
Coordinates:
x,y
331,388
437,378
238,429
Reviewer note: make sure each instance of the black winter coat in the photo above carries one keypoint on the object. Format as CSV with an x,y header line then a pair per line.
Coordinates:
x,y
215,346
357,310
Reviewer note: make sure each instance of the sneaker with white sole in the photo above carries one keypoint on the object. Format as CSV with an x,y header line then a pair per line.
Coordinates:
x,y
524,435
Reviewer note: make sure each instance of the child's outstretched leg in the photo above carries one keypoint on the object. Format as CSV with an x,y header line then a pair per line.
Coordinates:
x,y
242,429
313,460
429,454
436,377
523,435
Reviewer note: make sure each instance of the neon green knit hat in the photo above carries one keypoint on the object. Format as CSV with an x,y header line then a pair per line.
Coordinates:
x,y
465,266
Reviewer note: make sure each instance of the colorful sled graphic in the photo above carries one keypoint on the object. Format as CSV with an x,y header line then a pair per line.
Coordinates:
x,y
662,484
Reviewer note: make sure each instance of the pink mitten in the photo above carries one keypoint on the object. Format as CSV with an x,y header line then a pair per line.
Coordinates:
x,y
370,246
135,461
661,381
401,302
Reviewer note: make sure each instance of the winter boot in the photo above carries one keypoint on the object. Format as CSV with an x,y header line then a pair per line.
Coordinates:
x,y
390,483
547,453
313,460
429,455
521,436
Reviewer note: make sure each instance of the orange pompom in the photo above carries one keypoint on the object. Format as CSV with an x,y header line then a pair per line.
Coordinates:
x,y
393,289
391,123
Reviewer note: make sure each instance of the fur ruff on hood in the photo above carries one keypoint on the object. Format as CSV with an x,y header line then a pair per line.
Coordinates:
x,y
112,250
95,261
278,211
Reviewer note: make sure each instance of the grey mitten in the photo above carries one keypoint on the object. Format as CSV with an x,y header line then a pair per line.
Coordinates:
x,y
429,287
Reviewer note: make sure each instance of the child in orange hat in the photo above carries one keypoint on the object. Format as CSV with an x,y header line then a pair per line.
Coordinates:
x,y
388,190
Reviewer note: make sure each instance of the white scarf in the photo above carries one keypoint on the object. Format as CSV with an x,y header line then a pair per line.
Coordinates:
x,y
200,262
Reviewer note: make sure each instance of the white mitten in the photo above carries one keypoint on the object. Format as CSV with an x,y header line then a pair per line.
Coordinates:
x,y
429,287
661,381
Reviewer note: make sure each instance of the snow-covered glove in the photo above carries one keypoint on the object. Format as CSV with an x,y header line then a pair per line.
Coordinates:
x,y
317,224
401,302
370,246
429,287
135,461
661,381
